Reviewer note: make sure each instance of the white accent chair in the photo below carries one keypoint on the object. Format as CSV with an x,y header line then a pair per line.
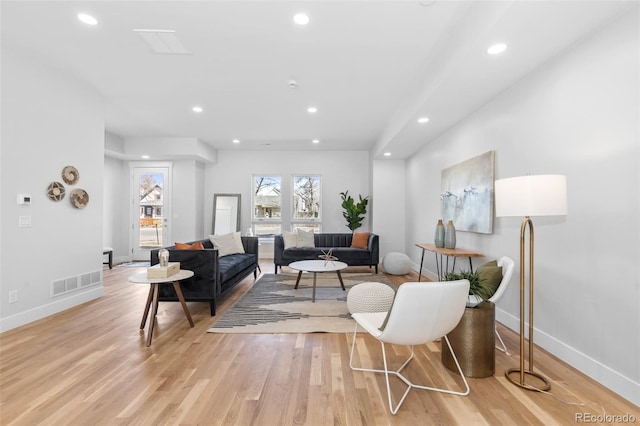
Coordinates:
x,y
421,313
508,266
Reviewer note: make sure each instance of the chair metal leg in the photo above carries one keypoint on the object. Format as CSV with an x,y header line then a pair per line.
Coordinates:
x,y
504,347
398,374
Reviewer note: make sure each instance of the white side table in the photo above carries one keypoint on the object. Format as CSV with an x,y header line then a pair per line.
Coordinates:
x,y
152,299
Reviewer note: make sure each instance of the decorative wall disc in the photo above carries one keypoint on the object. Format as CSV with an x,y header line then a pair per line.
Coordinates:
x,y
79,198
55,191
70,175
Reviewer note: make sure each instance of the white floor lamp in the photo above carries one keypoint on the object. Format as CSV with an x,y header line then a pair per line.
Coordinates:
x,y
541,195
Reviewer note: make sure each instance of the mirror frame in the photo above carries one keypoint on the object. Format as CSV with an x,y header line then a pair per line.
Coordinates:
x,y
215,204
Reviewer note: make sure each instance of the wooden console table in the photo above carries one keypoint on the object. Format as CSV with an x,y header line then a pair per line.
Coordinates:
x,y
440,253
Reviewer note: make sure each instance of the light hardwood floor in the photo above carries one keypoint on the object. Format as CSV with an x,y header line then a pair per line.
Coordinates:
x,y
89,365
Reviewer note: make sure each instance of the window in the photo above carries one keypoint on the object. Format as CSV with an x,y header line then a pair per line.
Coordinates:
x,y
306,212
267,205
315,227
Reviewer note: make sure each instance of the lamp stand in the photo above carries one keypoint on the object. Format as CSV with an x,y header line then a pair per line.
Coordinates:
x,y
522,371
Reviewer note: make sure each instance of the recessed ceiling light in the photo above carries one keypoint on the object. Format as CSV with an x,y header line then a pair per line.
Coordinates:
x,y
423,120
197,109
236,141
315,141
145,157
301,19
87,19
497,48
312,109
387,154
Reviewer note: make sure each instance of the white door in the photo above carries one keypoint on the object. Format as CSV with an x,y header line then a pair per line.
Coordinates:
x,y
151,209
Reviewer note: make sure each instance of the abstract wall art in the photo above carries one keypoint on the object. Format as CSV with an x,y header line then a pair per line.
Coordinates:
x,y
467,194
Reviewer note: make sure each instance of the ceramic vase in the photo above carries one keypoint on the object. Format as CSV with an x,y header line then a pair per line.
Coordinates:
x,y
450,236
439,238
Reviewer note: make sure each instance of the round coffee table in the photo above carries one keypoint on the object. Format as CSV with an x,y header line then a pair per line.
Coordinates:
x,y
316,266
152,298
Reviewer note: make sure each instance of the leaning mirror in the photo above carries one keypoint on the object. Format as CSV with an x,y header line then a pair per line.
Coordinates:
x,y
226,213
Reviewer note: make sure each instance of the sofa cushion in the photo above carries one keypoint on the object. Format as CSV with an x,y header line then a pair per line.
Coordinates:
x,y
305,239
232,264
491,274
351,255
227,244
344,254
360,240
290,239
186,246
301,253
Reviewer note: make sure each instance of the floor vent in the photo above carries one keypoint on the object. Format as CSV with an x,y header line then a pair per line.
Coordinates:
x,y
71,284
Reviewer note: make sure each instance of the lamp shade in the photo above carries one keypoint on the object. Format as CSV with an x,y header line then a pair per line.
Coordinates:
x,y
540,195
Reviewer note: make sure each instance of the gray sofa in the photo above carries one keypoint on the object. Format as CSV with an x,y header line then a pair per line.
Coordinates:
x,y
341,245
213,275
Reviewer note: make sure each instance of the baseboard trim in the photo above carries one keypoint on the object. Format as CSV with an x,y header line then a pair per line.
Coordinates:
x,y
613,380
616,382
48,309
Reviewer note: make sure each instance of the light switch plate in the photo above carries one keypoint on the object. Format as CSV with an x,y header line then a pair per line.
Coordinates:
x,y
25,222
24,199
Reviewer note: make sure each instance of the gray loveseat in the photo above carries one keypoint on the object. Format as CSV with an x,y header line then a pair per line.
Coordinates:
x,y
341,245
213,275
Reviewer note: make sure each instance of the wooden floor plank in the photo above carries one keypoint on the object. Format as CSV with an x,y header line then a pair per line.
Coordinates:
x,y
90,365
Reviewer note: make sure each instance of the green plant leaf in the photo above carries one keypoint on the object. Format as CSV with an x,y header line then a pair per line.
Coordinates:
x,y
354,212
477,287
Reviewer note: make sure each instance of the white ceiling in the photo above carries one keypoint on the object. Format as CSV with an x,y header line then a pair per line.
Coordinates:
x,y
370,67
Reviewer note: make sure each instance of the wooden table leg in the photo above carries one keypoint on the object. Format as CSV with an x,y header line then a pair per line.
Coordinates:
x,y
146,308
154,312
298,280
176,287
341,282
313,297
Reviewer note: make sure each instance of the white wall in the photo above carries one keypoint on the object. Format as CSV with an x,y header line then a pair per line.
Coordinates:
x,y
389,205
578,116
48,122
116,224
340,171
188,203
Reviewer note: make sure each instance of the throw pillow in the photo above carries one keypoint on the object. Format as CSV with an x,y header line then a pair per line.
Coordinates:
x,y
227,243
305,239
195,246
360,240
491,274
290,239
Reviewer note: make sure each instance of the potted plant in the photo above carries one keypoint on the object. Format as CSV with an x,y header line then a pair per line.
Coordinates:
x,y
473,339
354,212
479,290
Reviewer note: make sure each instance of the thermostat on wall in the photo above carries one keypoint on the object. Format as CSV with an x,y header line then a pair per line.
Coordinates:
x,y
24,199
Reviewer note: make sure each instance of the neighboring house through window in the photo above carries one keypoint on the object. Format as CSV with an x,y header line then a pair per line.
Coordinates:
x,y
306,212
267,206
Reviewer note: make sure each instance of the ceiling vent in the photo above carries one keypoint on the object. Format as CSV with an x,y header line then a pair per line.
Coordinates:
x,y
164,42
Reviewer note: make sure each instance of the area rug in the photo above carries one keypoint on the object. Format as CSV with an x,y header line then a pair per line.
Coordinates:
x,y
272,305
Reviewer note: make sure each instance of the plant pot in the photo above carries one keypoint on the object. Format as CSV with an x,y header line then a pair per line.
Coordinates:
x,y
473,341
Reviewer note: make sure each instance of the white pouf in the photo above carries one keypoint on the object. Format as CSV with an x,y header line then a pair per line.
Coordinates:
x,y
370,297
396,264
